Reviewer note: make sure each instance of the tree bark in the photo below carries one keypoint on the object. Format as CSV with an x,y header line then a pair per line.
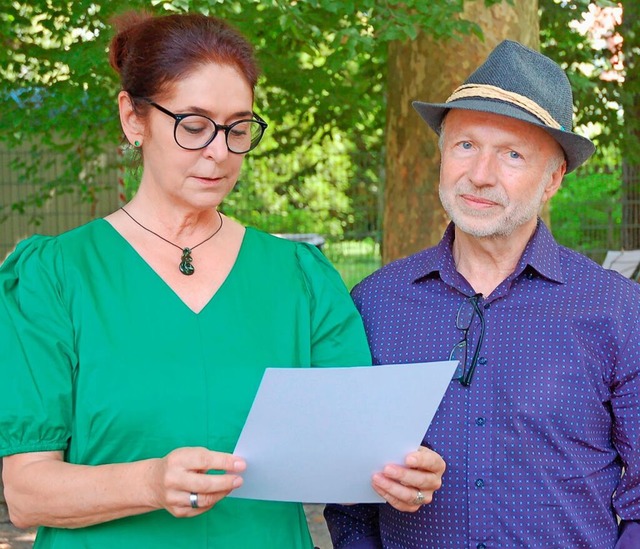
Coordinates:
x,y
427,70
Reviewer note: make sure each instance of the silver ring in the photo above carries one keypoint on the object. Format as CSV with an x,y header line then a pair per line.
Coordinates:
x,y
419,499
193,500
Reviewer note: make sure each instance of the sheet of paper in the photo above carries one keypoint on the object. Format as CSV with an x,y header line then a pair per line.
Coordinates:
x,y
316,435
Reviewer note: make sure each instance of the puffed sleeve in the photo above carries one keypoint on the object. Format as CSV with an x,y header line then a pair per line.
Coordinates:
x,y
36,350
338,337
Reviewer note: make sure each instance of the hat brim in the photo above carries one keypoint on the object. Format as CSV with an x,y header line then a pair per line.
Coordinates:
x,y
577,149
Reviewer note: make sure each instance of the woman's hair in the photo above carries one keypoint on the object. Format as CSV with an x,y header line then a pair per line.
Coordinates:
x,y
151,53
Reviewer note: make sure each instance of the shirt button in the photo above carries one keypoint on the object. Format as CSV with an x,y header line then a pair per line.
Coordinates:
x,y
481,546
487,305
482,360
480,421
479,483
529,275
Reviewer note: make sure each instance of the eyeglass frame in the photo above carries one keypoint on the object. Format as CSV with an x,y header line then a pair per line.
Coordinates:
x,y
217,127
467,375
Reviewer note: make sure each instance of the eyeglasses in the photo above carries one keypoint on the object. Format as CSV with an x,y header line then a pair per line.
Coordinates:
x,y
464,318
196,131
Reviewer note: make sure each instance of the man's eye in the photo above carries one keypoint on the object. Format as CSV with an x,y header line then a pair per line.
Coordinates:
x,y
465,145
515,155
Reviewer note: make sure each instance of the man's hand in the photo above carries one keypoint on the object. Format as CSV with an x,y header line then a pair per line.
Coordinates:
x,y
409,487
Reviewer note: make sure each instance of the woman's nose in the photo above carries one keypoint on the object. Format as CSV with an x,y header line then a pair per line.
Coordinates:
x,y
217,150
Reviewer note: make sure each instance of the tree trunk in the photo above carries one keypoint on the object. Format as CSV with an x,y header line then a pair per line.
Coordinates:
x,y
427,70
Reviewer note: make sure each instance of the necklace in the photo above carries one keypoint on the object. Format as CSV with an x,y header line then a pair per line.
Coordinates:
x,y
186,268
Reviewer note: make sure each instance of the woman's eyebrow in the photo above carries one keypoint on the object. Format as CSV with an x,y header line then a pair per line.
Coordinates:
x,y
199,110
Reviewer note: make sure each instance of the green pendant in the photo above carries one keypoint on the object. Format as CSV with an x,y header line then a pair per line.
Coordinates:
x,y
185,265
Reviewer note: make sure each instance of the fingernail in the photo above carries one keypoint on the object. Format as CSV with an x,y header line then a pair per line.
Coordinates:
x,y
237,482
412,461
391,471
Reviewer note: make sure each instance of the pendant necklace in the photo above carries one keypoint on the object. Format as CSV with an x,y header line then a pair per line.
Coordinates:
x,y
186,268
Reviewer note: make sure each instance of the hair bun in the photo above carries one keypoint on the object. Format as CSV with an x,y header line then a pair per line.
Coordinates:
x,y
126,25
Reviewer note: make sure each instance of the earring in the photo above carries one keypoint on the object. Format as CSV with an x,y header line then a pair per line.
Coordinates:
x,y
136,143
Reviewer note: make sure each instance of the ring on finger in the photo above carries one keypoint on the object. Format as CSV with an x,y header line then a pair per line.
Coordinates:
x,y
193,500
419,499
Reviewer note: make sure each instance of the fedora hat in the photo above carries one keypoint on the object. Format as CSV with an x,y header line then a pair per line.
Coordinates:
x,y
521,83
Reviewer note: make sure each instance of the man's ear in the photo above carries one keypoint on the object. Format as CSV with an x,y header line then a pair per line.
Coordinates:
x,y
555,181
132,123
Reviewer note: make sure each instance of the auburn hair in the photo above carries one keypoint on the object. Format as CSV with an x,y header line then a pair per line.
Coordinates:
x,y
150,53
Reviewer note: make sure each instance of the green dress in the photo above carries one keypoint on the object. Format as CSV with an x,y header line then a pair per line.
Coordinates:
x,y
101,359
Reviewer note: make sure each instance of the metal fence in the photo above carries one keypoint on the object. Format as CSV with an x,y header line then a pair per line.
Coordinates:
x,y
25,210
598,211
28,205
593,213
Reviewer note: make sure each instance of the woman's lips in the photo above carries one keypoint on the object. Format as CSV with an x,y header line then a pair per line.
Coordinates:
x,y
209,180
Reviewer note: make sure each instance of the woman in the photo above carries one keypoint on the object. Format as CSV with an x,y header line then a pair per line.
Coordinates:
x,y
135,343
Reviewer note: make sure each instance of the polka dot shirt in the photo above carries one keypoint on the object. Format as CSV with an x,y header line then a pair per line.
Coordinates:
x,y
537,444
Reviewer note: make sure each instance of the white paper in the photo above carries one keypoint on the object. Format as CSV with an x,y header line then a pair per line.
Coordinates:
x,y
317,435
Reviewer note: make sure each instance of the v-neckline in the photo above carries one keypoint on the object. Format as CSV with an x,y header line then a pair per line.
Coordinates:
x,y
209,301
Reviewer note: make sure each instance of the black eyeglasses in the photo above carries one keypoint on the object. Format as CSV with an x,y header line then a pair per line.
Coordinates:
x,y
196,131
464,318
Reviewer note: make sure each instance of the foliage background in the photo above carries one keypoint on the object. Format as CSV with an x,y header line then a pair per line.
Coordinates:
x,y
321,166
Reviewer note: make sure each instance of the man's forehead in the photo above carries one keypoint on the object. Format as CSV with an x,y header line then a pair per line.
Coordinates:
x,y
463,121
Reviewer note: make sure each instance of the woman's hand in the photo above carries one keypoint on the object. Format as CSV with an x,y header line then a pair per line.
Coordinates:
x,y
408,488
179,481
41,489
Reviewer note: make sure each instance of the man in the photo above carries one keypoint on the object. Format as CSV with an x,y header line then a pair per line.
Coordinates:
x,y
540,426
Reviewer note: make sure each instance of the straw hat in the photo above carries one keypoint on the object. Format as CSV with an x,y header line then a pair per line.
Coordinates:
x,y
521,83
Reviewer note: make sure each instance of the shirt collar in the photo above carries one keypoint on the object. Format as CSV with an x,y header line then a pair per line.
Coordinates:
x,y
542,254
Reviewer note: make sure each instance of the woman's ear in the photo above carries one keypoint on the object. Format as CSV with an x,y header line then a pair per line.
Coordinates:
x,y
132,123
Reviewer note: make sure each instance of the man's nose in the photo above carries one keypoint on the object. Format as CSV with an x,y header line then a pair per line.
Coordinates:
x,y
483,169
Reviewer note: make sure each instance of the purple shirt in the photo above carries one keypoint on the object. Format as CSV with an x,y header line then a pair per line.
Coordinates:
x,y
536,445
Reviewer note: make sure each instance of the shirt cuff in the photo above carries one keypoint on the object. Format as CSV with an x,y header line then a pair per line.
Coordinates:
x,y
629,535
